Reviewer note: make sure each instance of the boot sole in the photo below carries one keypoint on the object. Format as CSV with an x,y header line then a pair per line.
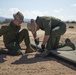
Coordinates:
x,y
71,44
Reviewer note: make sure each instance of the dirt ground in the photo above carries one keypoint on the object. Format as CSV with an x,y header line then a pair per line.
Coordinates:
x,y
33,63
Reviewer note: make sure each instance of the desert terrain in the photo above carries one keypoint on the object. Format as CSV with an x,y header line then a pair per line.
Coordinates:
x,y
32,63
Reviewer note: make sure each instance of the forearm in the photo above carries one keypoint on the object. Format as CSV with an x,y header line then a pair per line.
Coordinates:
x,y
45,40
35,35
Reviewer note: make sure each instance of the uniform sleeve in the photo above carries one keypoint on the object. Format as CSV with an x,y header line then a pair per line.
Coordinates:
x,y
3,30
47,27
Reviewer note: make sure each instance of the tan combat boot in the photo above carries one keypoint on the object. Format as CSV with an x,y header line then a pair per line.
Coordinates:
x,y
29,50
69,43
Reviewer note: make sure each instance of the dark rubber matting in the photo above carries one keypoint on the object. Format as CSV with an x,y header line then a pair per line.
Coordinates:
x,y
66,53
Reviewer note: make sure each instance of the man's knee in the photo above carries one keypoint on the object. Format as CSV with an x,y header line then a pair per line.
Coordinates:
x,y
24,31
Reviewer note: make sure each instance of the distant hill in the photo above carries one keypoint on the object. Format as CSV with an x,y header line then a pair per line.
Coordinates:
x,y
3,19
26,20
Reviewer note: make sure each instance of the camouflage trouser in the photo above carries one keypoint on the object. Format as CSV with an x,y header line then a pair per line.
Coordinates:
x,y
55,35
22,35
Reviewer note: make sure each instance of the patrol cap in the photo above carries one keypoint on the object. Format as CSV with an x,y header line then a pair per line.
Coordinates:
x,y
32,26
18,16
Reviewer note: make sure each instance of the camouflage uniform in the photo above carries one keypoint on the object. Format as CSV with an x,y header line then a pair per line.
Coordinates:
x,y
12,37
53,27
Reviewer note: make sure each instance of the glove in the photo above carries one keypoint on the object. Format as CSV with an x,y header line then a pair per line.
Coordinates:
x,y
42,47
37,41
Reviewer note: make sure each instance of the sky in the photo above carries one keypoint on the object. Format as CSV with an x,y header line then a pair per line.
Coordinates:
x,y
63,9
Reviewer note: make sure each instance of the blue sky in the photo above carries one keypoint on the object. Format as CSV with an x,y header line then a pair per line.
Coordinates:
x,y
63,9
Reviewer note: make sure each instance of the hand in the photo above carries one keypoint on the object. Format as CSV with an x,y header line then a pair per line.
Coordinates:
x,y
42,47
37,41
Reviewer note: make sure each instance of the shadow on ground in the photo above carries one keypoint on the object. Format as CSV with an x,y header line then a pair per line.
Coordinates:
x,y
2,58
31,58
25,60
